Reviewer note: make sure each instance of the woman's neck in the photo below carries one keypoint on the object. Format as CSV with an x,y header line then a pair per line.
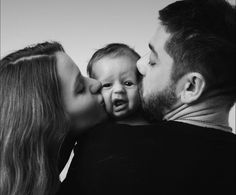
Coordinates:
x,y
211,113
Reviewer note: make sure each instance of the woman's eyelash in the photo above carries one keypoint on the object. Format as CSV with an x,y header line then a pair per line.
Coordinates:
x,y
79,88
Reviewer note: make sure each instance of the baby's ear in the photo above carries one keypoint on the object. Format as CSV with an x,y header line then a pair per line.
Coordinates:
x,y
193,87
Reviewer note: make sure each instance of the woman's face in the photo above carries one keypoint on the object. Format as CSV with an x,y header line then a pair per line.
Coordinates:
x,y
81,95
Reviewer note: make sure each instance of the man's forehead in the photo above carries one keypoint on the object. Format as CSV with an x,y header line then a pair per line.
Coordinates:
x,y
160,37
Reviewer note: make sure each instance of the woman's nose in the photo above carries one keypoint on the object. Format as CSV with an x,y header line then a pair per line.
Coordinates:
x,y
95,86
142,63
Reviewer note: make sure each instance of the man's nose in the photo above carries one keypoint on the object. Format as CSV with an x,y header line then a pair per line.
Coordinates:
x,y
142,63
95,86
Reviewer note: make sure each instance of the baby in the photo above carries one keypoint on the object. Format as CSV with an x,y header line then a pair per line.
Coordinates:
x,y
115,67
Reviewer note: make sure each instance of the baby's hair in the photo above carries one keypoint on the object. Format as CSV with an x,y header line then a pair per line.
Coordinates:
x,y
111,50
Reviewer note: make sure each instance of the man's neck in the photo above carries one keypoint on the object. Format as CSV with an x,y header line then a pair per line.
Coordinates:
x,y
211,113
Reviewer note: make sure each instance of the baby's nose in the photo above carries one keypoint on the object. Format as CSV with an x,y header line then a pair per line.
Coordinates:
x,y
118,88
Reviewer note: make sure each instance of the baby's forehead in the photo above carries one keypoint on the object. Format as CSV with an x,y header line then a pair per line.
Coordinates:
x,y
112,66
119,62
128,56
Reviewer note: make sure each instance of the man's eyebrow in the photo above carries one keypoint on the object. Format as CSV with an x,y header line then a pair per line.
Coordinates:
x,y
152,49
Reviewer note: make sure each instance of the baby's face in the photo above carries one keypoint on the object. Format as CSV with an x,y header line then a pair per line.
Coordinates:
x,y
120,85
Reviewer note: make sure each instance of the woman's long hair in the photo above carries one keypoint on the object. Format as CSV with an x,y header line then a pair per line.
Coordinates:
x,y
32,121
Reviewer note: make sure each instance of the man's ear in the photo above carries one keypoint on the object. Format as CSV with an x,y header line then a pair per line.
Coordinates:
x,y
193,87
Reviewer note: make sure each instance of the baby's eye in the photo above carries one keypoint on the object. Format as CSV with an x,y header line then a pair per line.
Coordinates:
x,y
106,85
128,83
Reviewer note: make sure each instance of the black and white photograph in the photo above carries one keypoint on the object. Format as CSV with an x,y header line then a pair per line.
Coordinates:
x,y
117,97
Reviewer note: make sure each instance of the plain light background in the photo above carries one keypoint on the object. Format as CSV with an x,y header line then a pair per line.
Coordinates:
x,y
81,26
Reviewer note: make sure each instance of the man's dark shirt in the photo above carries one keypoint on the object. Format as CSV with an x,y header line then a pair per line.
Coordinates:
x,y
163,158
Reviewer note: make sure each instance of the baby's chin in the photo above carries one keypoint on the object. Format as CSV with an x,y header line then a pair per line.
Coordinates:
x,y
120,115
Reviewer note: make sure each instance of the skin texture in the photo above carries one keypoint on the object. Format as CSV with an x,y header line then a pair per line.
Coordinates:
x,y
81,95
120,85
157,90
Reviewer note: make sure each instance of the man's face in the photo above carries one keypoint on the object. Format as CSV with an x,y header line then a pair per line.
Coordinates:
x,y
157,90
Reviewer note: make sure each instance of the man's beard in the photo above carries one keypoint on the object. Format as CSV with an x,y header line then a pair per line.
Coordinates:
x,y
156,104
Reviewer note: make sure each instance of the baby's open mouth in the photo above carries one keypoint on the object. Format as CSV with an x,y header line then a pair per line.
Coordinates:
x,y
119,104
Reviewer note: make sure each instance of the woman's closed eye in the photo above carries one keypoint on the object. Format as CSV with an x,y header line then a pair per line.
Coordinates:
x,y
79,88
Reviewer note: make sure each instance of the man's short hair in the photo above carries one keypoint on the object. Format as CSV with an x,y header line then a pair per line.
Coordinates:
x,y
202,40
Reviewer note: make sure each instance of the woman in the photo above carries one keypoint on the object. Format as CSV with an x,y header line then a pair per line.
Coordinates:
x,y
42,96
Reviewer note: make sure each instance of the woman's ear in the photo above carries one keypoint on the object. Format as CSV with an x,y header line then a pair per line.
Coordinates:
x,y
193,87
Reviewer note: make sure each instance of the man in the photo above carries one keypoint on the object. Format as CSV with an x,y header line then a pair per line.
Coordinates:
x,y
190,74
188,82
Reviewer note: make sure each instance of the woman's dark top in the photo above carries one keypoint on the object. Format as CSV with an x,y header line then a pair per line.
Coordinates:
x,y
163,158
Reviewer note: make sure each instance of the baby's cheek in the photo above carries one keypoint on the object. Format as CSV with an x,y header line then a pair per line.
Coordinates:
x,y
107,100
105,96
